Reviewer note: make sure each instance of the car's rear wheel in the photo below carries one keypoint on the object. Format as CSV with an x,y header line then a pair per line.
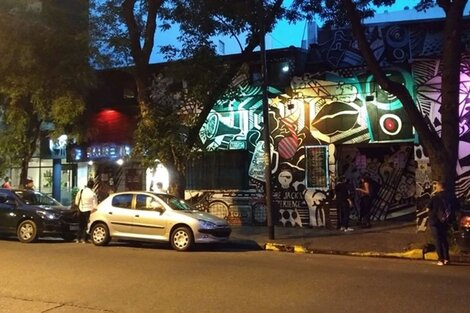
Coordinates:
x,y
182,239
27,231
100,234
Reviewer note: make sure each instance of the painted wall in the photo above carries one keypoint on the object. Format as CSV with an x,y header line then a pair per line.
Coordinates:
x,y
310,131
340,122
428,79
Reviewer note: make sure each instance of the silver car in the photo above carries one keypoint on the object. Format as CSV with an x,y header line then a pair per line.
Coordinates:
x,y
149,216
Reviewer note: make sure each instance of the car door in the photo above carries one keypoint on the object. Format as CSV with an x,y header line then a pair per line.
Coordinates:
x,y
120,215
149,218
8,213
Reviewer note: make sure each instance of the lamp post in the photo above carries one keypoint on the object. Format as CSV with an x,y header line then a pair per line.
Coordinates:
x,y
266,133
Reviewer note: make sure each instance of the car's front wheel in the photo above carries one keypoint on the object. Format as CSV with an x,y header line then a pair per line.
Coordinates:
x,y
100,234
27,231
181,239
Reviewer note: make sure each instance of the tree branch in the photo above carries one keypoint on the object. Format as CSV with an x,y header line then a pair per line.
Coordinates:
x,y
429,136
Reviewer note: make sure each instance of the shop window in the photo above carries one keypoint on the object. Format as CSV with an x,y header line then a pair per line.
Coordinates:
x,y
218,170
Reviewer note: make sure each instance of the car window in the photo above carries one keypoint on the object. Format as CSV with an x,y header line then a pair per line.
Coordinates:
x,y
122,201
146,202
176,203
35,198
4,197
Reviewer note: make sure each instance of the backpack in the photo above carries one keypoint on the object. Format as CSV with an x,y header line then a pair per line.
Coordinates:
x,y
444,213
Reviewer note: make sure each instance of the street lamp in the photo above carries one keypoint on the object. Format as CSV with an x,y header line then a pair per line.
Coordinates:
x,y
266,133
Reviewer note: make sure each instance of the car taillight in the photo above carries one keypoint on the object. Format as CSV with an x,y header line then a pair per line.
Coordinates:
x,y
465,221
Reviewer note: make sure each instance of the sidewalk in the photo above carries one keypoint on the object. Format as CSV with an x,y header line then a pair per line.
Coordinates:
x,y
383,239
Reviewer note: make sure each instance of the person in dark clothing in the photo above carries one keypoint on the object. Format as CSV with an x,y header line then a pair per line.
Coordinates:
x,y
344,203
365,201
439,213
28,195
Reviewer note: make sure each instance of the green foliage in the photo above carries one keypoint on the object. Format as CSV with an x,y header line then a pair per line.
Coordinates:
x,y
123,34
45,73
164,138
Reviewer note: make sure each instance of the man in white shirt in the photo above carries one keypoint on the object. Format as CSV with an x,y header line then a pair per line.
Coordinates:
x,y
87,201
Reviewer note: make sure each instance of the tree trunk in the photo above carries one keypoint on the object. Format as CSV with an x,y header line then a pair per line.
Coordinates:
x,y
24,171
443,161
177,182
451,58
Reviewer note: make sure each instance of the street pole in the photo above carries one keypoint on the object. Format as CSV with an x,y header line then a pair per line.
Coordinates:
x,y
267,135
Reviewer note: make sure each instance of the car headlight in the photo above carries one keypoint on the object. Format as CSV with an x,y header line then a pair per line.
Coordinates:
x,y
206,225
48,215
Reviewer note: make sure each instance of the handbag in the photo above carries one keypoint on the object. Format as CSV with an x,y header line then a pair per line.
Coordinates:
x,y
75,207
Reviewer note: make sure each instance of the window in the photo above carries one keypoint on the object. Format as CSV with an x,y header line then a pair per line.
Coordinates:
x,y
122,201
226,169
317,166
144,202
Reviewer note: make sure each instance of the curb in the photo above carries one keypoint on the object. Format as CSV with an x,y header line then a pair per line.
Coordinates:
x,y
413,254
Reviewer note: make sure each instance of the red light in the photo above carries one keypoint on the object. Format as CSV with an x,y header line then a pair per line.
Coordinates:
x,y
465,221
390,124
111,126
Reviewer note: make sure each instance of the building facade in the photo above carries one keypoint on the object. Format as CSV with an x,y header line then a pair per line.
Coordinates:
x,y
329,119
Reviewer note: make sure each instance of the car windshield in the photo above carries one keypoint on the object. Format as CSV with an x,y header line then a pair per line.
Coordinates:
x,y
35,198
176,203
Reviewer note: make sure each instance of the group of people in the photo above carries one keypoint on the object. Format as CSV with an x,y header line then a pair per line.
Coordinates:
x,y
441,208
28,185
345,200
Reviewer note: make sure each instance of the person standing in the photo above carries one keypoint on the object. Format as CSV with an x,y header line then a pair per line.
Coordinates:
x,y
159,187
343,203
365,201
28,195
439,213
87,202
6,183
29,184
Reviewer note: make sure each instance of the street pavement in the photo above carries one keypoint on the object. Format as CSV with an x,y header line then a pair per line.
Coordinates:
x,y
384,239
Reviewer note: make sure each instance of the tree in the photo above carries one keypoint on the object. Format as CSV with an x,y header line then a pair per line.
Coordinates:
x,y
206,78
443,148
44,74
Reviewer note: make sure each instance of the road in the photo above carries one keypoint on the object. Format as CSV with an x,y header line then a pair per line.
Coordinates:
x,y
57,277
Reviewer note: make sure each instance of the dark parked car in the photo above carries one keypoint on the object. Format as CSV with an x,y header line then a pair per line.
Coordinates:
x,y
31,214
463,233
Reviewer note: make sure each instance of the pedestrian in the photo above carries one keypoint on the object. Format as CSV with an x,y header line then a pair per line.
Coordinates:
x,y
29,195
87,202
343,202
6,183
365,201
29,184
439,214
159,187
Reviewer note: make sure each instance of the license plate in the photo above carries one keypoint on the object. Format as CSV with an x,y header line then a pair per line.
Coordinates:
x,y
74,227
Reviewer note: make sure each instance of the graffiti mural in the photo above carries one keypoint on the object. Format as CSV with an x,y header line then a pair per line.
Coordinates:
x,y
427,74
338,122
391,44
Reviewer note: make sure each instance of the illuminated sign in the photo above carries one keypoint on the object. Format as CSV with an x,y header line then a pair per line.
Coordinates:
x,y
102,151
